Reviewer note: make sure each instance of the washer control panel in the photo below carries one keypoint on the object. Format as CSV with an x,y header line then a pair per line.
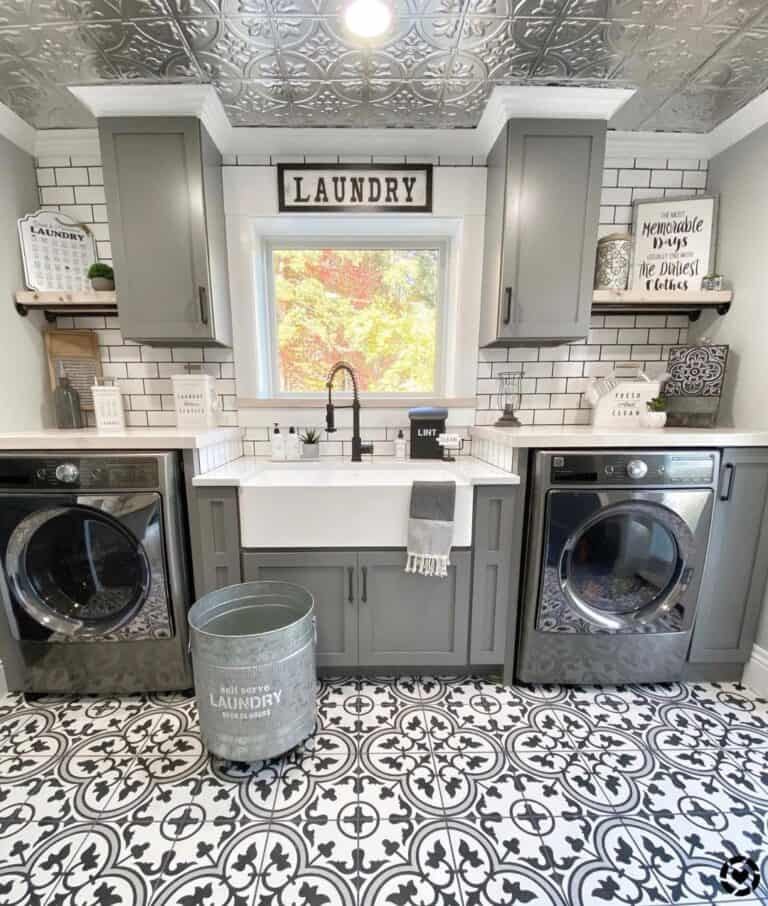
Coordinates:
x,y
79,473
689,467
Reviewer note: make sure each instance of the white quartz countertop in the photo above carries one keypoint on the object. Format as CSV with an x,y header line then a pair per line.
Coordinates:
x,y
334,471
578,436
130,439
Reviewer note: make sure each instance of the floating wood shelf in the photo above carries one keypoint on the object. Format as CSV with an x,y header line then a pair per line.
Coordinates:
x,y
635,301
55,304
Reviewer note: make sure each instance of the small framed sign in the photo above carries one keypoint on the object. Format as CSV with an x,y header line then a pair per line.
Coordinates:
x,y
56,251
367,189
673,245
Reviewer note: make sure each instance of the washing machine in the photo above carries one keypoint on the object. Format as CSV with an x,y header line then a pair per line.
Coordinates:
x,y
94,573
614,557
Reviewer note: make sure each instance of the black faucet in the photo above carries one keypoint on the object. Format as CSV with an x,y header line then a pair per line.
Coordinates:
x,y
358,447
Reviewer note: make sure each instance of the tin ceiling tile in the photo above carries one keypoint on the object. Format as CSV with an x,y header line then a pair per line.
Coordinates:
x,y
293,62
145,49
46,106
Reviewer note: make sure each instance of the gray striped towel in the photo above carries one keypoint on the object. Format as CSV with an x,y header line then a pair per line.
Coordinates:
x,y
430,527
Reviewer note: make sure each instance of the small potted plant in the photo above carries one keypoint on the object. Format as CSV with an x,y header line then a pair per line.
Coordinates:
x,y
310,444
655,415
102,276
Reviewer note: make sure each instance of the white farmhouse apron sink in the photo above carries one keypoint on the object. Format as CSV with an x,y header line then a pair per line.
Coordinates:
x,y
343,504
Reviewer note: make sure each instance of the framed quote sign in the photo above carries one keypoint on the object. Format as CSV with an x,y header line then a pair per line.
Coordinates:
x,y
367,189
673,244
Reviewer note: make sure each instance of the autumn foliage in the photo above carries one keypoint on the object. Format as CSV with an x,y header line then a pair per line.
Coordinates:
x,y
374,308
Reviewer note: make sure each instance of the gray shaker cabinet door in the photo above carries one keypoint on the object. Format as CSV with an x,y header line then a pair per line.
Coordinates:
x,y
411,620
736,567
216,538
540,287
492,566
331,578
160,210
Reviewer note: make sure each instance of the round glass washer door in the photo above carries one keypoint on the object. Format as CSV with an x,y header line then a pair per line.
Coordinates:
x,y
77,570
625,565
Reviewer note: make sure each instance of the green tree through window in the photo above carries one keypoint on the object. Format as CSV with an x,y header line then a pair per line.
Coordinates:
x,y
375,308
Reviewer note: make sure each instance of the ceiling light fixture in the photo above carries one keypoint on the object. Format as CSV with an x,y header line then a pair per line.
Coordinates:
x,y
367,18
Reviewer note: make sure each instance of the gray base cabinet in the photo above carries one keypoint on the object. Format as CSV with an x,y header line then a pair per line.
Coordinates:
x,y
370,613
494,567
215,537
736,568
332,577
411,620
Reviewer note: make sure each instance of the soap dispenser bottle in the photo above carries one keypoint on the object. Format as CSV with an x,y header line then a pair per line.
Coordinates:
x,y
292,445
400,447
278,445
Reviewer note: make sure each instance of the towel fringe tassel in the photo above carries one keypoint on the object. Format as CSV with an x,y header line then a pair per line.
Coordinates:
x,y
428,564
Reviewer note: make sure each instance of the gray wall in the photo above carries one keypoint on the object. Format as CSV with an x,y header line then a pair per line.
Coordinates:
x,y
24,396
740,176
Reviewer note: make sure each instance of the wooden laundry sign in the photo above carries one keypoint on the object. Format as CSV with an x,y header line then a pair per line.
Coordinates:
x,y
355,187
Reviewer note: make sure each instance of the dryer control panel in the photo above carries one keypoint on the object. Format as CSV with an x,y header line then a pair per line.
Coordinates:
x,y
636,467
92,473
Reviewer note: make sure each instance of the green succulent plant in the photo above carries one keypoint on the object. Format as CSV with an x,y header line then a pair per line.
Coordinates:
x,y
99,269
310,436
656,404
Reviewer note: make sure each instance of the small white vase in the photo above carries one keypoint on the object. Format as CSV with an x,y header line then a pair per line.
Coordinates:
x,y
653,419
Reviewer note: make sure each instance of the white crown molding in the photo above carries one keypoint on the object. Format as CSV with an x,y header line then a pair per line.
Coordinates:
x,y
13,127
505,102
159,100
745,121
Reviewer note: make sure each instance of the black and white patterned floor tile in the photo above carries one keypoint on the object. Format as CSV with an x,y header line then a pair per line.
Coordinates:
x,y
413,791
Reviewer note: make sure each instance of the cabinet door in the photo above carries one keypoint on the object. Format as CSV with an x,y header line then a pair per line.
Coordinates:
x,y
411,620
736,567
331,578
154,188
215,530
493,555
554,170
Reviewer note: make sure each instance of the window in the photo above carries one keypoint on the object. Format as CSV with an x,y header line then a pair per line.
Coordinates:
x,y
375,305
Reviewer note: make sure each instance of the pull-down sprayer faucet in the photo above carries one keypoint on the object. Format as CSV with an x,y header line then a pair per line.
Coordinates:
x,y
358,447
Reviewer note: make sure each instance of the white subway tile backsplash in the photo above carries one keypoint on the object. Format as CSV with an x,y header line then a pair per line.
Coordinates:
x,y
555,376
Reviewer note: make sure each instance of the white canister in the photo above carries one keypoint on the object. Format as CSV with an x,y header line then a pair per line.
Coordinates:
x,y
108,407
195,400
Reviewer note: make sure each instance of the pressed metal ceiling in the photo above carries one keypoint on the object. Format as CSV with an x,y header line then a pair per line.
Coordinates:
x,y
290,62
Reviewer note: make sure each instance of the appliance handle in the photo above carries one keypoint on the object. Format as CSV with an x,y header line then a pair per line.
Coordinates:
x,y
726,481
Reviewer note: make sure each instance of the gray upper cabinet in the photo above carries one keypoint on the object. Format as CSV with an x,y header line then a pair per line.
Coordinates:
x,y
411,620
736,568
331,577
541,224
163,182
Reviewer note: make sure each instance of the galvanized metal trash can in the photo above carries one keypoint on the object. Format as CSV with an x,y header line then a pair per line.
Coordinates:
x,y
253,656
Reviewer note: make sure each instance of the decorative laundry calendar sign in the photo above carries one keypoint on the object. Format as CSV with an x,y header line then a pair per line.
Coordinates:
x,y
57,251
673,246
355,187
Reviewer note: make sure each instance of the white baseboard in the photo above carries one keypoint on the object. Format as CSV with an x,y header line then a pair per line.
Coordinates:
x,y
756,671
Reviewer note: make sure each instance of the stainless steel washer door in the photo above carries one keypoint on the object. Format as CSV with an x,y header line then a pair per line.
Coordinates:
x,y
80,570
627,565
621,561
